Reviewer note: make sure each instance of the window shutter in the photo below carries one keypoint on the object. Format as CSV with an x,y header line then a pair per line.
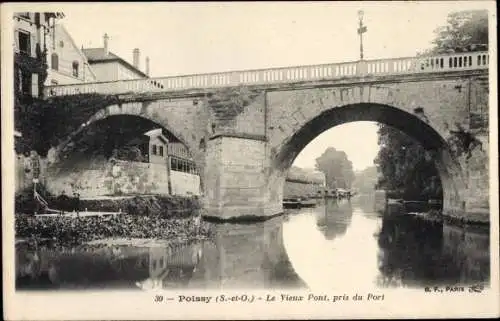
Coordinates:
x,y
34,85
16,39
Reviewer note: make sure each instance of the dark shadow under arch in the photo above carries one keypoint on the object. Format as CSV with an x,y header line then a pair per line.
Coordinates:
x,y
408,123
114,130
100,137
446,164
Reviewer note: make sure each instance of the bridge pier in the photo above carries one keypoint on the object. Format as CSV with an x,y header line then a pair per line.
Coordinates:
x,y
260,120
236,180
223,266
241,183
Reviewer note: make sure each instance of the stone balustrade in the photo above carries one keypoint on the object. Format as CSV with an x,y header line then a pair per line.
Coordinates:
x,y
381,67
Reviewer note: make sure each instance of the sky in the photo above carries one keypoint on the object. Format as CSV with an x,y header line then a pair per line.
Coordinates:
x,y
186,38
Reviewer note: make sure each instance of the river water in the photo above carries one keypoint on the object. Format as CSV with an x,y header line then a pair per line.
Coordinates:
x,y
335,245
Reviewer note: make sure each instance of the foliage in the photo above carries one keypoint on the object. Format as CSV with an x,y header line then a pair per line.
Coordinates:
x,y
297,174
465,31
228,103
44,123
365,181
405,166
336,167
74,231
168,206
129,153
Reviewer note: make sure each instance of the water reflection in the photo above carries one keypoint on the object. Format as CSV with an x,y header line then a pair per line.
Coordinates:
x,y
410,251
416,253
334,219
337,245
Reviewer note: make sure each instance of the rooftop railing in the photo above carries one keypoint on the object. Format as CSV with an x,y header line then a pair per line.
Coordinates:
x,y
324,72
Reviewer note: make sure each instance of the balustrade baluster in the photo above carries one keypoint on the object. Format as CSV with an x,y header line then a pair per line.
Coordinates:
x,y
293,74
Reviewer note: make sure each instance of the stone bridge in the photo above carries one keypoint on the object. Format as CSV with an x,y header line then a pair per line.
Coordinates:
x,y
245,128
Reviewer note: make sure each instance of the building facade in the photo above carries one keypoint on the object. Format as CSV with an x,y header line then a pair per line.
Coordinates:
x,y
108,66
32,31
46,55
67,64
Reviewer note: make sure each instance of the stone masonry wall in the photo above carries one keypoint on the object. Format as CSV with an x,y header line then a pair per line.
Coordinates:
x,y
300,189
184,183
110,178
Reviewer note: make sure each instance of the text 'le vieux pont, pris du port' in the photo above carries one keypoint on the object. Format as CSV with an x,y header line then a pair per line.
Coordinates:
x,y
278,298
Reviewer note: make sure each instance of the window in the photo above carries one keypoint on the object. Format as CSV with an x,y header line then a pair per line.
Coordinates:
x,y
75,68
154,150
24,14
61,44
161,151
26,83
54,61
24,42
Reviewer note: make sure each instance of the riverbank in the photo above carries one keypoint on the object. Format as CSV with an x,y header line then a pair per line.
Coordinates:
x,y
171,206
433,213
68,231
482,219
437,217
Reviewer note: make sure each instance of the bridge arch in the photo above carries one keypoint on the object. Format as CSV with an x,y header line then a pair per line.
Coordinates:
x,y
95,153
138,110
422,130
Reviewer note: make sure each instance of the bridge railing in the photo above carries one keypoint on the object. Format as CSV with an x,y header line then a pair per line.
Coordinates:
x,y
380,67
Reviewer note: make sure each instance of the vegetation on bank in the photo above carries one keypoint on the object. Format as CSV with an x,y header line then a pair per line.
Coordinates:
x,y
168,206
68,231
336,167
404,166
149,216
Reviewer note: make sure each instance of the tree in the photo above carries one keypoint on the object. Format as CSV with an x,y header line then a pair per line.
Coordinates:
x,y
403,164
465,31
365,181
336,167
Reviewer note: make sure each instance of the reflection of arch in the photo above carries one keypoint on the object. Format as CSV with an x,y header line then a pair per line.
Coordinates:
x,y
449,169
411,251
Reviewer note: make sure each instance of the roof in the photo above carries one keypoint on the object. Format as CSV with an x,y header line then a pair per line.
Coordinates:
x,y
97,55
158,132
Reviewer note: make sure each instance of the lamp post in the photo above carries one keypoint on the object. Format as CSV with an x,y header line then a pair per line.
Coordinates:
x,y
362,29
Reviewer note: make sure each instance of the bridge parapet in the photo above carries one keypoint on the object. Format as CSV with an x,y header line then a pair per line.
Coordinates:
x,y
323,72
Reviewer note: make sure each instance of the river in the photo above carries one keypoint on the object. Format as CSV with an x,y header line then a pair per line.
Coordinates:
x,y
335,245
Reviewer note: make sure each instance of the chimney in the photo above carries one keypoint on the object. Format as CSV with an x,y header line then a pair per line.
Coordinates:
x,y
106,48
136,58
147,66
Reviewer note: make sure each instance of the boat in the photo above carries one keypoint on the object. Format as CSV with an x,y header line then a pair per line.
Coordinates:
x,y
307,202
394,201
293,202
415,206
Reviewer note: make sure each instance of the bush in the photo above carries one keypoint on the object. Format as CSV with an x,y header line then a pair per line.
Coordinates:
x,y
69,231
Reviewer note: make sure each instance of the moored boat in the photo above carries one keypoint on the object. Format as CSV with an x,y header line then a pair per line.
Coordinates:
x,y
307,202
293,202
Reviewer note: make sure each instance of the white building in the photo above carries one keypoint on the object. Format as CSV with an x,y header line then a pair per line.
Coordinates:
x,y
110,67
67,63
